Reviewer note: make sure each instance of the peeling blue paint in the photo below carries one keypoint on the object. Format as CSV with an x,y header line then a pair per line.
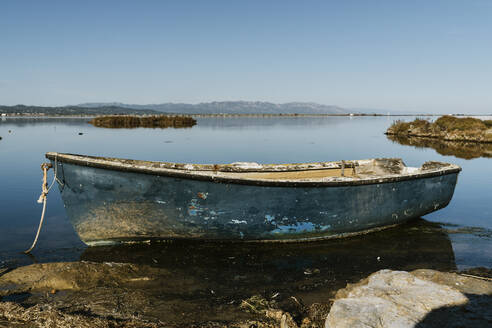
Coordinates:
x,y
300,227
270,219
293,228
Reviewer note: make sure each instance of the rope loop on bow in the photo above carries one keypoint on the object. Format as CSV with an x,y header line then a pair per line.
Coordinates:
x,y
42,199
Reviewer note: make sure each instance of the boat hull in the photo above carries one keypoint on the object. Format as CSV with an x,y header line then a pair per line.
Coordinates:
x,y
111,206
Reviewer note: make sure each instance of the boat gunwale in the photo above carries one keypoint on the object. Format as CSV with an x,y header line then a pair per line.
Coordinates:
x,y
115,164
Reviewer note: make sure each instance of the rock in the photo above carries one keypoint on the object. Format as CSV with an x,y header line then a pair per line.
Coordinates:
x,y
423,298
75,275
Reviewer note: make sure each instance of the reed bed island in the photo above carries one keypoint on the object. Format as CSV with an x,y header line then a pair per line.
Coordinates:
x,y
466,138
134,121
447,128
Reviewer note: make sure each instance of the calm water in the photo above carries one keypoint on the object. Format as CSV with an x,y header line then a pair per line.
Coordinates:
x,y
466,222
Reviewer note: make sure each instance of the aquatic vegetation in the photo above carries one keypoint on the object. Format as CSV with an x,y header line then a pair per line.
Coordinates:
x,y
448,128
451,123
401,127
460,149
154,121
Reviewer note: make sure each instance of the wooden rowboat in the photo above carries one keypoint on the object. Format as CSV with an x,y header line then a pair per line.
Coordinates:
x,y
110,200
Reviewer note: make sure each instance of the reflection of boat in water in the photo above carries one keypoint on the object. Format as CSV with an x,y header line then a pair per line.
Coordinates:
x,y
112,200
311,271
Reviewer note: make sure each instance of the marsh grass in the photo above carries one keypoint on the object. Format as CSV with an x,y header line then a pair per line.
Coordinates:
x,y
154,121
402,127
445,127
450,123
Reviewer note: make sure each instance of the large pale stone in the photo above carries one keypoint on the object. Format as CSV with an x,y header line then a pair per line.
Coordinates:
x,y
391,299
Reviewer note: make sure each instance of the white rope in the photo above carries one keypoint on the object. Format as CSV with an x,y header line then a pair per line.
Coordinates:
x,y
42,199
39,228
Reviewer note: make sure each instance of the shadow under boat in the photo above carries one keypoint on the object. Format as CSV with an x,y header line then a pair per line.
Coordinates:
x,y
459,149
313,272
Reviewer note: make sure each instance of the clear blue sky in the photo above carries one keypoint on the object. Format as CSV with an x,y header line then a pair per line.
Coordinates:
x,y
403,55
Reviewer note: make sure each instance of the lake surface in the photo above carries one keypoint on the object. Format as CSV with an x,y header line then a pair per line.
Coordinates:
x,y
465,225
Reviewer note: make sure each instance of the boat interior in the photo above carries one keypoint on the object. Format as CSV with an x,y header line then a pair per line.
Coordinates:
x,y
295,175
342,169
317,171
359,169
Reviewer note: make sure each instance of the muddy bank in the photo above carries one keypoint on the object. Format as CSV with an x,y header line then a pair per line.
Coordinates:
x,y
447,128
183,284
89,294
460,149
154,121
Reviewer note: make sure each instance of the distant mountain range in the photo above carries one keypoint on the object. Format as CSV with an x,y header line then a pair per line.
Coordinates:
x,y
230,107
223,107
72,110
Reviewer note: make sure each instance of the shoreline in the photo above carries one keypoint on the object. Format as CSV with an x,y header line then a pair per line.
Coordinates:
x,y
44,115
85,293
445,128
459,149
438,137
